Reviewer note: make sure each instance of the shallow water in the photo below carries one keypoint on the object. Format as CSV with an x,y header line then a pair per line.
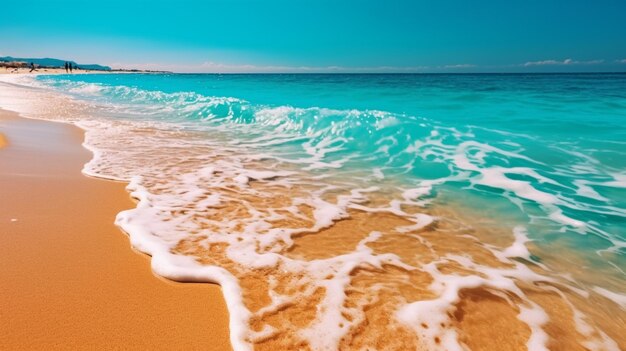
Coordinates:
x,y
372,211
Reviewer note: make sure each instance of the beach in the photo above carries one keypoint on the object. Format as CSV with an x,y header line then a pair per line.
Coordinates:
x,y
320,176
45,71
329,226
70,278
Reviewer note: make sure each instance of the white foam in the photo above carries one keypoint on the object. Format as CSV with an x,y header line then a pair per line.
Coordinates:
x,y
427,317
496,177
558,216
178,179
87,89
618,298
535,317
378,173
518,248
619,181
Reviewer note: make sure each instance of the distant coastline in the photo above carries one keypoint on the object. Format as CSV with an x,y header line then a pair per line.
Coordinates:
x,y
16,63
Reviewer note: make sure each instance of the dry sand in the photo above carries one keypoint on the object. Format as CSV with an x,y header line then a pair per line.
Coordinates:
x,y
47,71
69,279
4,70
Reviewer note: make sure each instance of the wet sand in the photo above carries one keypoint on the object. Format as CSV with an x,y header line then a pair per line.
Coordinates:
x,y
69,277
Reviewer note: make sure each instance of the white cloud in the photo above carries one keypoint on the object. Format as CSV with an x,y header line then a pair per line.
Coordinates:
x,y
565,62
463,65
542,63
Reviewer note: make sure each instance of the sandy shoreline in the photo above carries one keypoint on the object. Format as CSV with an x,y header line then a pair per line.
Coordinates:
x,y
499,297
70,280
47,71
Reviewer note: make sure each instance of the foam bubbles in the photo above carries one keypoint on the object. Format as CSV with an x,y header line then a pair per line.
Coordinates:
x,y
310,226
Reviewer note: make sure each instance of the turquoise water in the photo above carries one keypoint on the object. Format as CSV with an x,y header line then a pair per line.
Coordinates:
x,y
544,151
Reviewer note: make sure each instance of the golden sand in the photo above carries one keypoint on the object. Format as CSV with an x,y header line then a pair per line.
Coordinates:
x,y
69,278
4,70
484,320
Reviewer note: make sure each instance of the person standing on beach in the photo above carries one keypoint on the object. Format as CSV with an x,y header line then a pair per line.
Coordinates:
x,y
70,66
66,68
32,66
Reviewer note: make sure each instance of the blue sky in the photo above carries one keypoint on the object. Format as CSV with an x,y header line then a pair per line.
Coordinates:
x,y
323,36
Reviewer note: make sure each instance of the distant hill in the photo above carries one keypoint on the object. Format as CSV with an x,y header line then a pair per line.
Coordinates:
x,y
52,62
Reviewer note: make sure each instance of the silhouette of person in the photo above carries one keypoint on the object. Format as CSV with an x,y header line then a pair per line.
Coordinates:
x,y
70,65
66,68
32,67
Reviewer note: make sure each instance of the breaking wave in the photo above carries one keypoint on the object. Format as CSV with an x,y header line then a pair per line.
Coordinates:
x,y
332,229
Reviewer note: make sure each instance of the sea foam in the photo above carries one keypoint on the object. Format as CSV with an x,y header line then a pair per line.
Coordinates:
x,y
228,192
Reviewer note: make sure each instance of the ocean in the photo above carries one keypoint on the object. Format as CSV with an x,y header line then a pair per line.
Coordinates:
x,y
350,211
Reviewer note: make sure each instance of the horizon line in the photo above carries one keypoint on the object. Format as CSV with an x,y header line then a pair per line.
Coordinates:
x,y
380,73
